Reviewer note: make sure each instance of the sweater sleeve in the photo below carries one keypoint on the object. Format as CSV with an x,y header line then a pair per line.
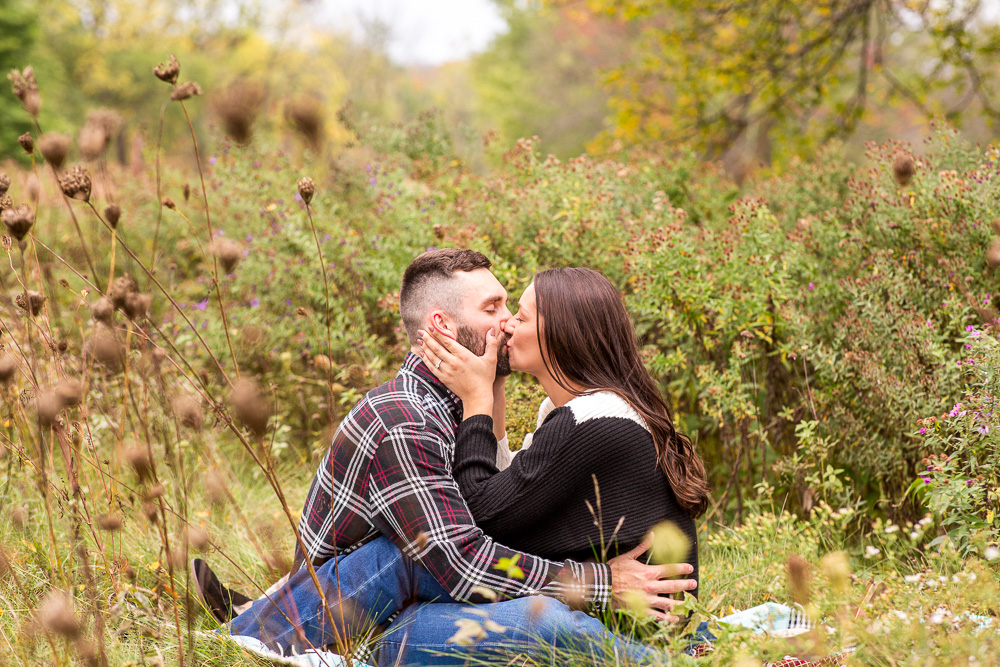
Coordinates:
x,y
537,481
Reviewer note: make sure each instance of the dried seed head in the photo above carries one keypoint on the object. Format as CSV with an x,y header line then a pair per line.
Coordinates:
x,y
154,492
18,220
798,579
149,509
169,203
306,116
168,71
5,203
120,289
48,406
102,311
138,458
137,306
307,188
322,363
30,301
54,147
993,255
186,191
8,368
109,522
112,213
26,89
439,231
237,107
27,143
76,183
188,411
837,570
20,517
4,183
69,392
55,614
185,90
197,537
34,188
229,253
105,349
92,141
903,169
250,406
215,484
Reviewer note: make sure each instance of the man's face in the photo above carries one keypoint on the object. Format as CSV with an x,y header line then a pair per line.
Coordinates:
x,y
484,308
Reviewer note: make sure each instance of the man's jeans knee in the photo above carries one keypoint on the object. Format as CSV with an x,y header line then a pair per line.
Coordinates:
x,y
362,589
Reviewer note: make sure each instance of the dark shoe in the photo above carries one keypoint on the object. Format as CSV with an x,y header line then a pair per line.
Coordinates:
x,y
217,599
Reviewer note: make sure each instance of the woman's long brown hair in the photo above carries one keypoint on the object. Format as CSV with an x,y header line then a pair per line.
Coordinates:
x,y
588,341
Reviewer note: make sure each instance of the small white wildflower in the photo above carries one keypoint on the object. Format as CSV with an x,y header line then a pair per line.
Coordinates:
x,y
971,577
955,579
992,552
901,615
871,552
937,618
891,528
932,583
912,578
914,535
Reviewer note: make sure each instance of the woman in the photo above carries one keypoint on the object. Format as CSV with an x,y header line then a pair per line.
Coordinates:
x,y
604,466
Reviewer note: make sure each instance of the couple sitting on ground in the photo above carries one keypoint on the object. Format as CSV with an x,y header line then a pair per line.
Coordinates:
x,y
419,508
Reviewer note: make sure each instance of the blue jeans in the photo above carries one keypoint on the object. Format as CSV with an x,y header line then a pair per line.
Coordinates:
x,y
377,580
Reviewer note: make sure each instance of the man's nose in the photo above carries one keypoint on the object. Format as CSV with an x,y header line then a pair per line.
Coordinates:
x,y
508,324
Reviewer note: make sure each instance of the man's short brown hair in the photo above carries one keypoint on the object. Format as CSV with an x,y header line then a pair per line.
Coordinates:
x,y
426,284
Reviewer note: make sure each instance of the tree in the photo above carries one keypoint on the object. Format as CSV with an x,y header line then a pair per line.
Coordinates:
x,y
768,77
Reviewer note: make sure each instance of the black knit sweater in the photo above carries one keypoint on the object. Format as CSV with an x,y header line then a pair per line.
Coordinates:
x,y
540,503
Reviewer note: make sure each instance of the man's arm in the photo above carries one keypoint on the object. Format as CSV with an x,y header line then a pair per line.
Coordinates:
x,y
417,504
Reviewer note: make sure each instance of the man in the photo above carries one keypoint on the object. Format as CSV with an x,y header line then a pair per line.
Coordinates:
x,y
387,478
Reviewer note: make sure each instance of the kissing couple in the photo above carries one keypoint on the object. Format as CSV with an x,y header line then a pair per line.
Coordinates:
x,y
422,524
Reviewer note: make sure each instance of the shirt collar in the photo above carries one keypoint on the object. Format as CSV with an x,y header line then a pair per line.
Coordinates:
x,y
415,366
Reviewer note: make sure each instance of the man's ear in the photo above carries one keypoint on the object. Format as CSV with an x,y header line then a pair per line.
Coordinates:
x,y
442,324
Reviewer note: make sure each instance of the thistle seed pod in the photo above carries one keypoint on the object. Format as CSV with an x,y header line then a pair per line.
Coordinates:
x,y
4,183
5,203
27,143
154,492
237,107
18,221
34,188
30,301
112,213
184,91
109,522
138,458
137,306
102,311
168,71
120,289
69,392
25,88
103,347
197,537
993,255
250,406
306,115
56,616
92,141
48,406
228,252
76,183
169,203
54,147
798,578
188,411
307,188
186,191
903,169
150,510
215,484
8,368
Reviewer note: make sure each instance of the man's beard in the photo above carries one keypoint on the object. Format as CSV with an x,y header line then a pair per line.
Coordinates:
x,y
476,343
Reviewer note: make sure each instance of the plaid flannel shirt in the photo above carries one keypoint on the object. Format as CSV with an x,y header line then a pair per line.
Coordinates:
x,y
388,471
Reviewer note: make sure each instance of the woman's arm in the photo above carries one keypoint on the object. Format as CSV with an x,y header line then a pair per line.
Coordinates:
x,y
538,481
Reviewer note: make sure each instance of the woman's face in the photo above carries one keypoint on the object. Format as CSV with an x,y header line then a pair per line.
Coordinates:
x,y
522,343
